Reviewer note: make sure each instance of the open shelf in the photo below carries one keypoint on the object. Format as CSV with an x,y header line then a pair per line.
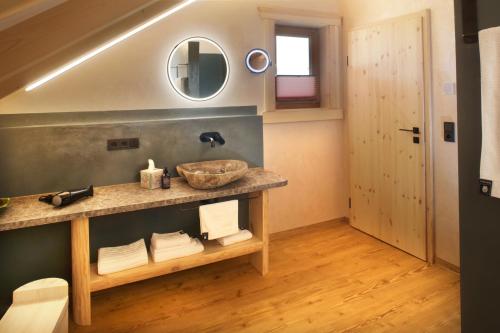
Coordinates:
x,y
213,252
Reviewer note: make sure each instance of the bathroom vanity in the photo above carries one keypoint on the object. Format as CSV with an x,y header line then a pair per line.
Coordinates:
x,y
27,211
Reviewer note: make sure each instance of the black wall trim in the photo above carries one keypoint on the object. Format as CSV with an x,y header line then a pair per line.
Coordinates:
x,y
479,214
469,21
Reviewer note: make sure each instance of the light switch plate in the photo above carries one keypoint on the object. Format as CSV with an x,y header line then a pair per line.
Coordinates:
x,y
449,131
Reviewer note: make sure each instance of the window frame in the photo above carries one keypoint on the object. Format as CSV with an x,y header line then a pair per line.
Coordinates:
x,y
331,59
314,66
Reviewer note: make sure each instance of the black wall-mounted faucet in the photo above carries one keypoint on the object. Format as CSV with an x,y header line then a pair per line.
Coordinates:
x,y
212,137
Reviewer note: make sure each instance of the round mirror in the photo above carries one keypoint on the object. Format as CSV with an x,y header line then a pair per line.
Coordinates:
x,y
198,68
257,61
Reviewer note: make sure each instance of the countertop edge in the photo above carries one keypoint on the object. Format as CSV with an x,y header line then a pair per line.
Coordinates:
x,y
199,196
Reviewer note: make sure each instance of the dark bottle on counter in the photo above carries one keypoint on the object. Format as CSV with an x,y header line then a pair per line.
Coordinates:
x,y
165,179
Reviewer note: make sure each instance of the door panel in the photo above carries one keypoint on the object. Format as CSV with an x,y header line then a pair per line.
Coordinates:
x,y
385,98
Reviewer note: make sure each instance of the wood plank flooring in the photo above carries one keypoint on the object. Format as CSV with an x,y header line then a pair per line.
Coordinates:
x,y
327,277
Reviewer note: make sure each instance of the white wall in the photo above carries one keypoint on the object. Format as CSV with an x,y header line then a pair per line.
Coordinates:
x,y
311,156
360,12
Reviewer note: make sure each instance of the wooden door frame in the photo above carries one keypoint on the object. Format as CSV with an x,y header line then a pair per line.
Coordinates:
x,y
428,120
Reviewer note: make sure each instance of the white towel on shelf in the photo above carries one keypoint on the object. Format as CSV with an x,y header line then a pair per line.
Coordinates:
x,y
119,258
194,247
241,236
219,219
169,239
489,47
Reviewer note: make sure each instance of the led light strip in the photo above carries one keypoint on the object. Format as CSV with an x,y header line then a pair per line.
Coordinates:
x,y
106,46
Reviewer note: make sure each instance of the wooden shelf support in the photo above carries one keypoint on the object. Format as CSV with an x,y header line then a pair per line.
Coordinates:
x,y
258,220
214,252
80,259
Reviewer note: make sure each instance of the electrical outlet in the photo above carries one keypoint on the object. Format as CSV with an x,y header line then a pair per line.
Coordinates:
x,y
120,144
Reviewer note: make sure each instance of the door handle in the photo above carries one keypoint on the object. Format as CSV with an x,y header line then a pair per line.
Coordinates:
x,y
414,130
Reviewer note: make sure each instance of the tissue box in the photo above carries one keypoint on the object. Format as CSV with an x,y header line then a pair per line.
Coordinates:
x,y
151,179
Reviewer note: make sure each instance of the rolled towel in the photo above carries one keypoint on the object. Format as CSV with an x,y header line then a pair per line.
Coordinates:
x,y
119,258
195,246
241,236
171,239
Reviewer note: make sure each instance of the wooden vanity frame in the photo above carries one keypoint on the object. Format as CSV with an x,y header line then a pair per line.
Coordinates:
x,y
27,211
86,280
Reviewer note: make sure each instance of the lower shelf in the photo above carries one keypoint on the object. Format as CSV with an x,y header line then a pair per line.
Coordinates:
x,y
213,252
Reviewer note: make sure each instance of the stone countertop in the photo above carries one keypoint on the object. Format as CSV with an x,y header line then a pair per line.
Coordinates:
x,y
27,211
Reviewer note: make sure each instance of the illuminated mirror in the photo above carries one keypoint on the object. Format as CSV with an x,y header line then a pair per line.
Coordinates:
x,y
198,69
257,61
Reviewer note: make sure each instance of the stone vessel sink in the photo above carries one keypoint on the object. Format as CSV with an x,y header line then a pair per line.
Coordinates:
x,y
212,174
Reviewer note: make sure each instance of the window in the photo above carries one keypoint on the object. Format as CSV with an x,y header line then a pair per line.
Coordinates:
x,y
297,68
324,77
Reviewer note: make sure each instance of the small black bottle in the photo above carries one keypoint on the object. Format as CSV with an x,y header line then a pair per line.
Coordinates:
x,y
165,179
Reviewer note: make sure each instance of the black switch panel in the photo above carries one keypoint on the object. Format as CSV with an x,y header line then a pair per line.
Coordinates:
x,y
119,144
449,131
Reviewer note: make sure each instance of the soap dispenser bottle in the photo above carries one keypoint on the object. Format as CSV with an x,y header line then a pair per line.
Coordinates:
x,y
165,179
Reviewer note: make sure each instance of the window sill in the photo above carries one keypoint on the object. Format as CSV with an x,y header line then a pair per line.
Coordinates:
x,y
301,115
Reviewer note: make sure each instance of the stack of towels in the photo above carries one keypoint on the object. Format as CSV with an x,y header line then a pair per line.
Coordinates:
x,y
174,245
119,258
217,221
163,247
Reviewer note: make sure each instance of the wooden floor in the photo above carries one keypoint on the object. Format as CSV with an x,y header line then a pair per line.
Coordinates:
x,y
324,278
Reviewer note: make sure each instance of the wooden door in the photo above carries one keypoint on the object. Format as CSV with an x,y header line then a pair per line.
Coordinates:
x,y
385,102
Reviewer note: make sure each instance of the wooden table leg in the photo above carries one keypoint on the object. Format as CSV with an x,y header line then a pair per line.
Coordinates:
x,y
80,262
258,219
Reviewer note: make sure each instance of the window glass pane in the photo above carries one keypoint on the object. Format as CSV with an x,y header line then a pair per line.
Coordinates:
x,y
292,55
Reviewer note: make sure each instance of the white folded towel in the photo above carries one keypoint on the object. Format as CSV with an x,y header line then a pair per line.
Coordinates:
x,y
489,47
219,219
119,258
195,246
241,236
159,241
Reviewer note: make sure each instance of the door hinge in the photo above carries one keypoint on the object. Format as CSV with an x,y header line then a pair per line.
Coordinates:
x,y
347,61
349,202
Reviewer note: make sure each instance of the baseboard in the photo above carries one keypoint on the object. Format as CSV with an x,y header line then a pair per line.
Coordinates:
x,y
339,219
446,264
